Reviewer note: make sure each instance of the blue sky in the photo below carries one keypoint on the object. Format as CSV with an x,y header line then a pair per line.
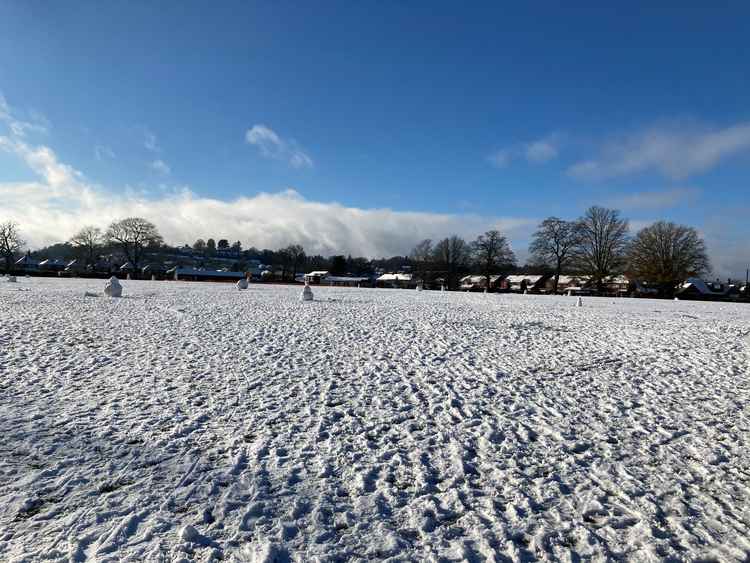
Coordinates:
x,y
365,125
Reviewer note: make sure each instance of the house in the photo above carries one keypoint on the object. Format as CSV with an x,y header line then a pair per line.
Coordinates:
x,y
345,281
564,283
325,278
643,289
396,280
479,283
27,264
153,270
52,265
195,274
525,282
316,277
613,286
75,266
696,288
103,264
617,286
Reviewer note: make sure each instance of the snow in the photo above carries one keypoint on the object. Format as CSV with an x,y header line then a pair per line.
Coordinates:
x,y
307,293
192,422
113,287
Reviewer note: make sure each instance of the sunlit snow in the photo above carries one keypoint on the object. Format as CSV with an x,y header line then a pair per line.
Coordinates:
x,y
191,421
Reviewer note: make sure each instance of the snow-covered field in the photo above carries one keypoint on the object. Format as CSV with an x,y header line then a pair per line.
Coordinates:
x,y
198,422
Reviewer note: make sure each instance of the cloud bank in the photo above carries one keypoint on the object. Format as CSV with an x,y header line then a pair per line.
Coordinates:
x,y
62,201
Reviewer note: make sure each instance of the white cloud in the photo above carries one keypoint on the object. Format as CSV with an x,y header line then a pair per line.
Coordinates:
x,y
161,167
675,150
655,200
150,142
18,126
271,145
543,150
500,158
62,200
102,152
539,151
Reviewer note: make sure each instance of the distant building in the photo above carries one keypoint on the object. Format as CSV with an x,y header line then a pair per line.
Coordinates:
x,y
195,274
27,263
396,280
154,269
325,278
524,282
479,283
696,288
617,286
564,283
75,266
52,265
316,277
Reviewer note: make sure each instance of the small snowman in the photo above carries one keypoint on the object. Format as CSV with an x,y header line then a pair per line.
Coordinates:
x,y
579,302
242,283
113,288
307,294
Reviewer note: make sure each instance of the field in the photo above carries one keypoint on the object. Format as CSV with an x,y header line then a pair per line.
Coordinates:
x,y
196,422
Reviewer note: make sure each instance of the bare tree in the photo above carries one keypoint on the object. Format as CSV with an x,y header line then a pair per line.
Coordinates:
x,y
10,243
89,240
295,255
602,242
452,254
422,257
554,244
132,235
492,252
667,253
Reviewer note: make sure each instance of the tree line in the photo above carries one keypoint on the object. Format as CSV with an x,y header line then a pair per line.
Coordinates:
x,y
598,245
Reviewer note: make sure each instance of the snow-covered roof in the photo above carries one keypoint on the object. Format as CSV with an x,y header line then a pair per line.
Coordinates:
x,y
518,278
318,274
571,279
207,273
479,279
342,279
395,277
52,262
699,285
27,261
153,267
126,266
